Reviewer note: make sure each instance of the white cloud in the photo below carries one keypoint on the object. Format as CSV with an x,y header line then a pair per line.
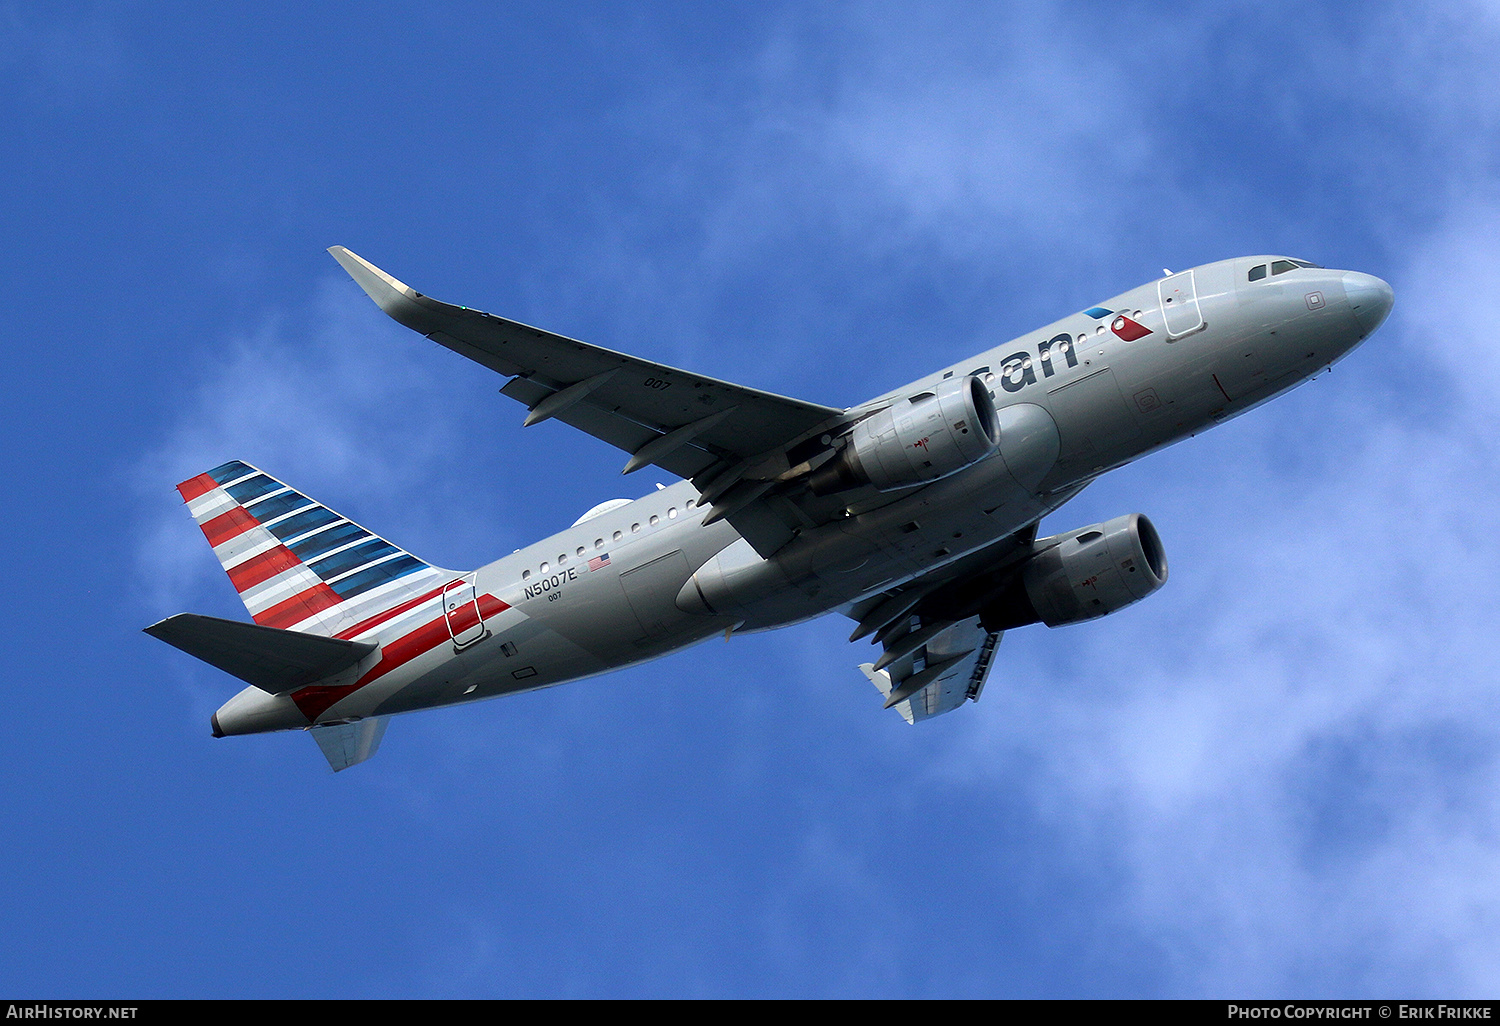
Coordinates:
x,y
1291,753
1015,129
1292,749
1445,308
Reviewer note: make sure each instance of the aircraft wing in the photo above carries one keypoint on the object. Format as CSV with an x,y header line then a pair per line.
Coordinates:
x,y
732,442
935,652
956,659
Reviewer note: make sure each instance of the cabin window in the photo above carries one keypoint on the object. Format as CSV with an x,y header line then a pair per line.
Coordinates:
x,y
525,575
562,560
619,535
580,551
599,542
655,520
672,513
635,528
546,567
1257,272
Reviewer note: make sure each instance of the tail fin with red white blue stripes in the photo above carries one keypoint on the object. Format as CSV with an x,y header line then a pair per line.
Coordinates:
x,y
296,564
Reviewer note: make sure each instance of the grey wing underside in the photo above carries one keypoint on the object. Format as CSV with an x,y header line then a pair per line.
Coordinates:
x,y
734,443
935,651
949,671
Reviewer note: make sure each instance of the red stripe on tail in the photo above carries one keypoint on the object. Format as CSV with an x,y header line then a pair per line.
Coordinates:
x,y
228,525
261,568
196,486
299,607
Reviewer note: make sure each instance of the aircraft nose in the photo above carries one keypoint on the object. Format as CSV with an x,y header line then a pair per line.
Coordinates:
x,y
1370,299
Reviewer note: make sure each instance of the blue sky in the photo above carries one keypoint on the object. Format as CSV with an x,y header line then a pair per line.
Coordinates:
x,y
1278,776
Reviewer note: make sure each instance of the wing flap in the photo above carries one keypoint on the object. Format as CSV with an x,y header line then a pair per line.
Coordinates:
x,y
276,661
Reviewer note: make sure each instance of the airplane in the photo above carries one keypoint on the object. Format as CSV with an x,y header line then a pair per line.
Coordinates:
x,y
915,514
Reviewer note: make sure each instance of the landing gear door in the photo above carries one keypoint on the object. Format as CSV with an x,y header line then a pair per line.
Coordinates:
x,y
1179,305
461,610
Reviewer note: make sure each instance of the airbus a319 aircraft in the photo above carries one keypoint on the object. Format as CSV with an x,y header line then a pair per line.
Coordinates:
x,y
914,514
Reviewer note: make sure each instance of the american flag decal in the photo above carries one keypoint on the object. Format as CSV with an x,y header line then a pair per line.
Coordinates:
x,y
599,561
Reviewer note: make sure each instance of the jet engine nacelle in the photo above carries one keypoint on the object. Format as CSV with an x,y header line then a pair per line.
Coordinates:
x,y
916,440
1083,575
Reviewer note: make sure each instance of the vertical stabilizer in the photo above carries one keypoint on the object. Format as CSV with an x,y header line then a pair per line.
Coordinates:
x,y
296,564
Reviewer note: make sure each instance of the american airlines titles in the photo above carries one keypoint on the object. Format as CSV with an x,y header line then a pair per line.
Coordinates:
x,y
1016,371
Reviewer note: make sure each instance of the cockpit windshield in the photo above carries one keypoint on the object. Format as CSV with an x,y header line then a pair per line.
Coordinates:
x,y
1280,267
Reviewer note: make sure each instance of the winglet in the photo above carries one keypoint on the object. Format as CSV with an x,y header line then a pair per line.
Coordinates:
x,y
400,301
381,286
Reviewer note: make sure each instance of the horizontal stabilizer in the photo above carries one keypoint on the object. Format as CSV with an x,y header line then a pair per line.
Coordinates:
x,y
273,660
345,744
